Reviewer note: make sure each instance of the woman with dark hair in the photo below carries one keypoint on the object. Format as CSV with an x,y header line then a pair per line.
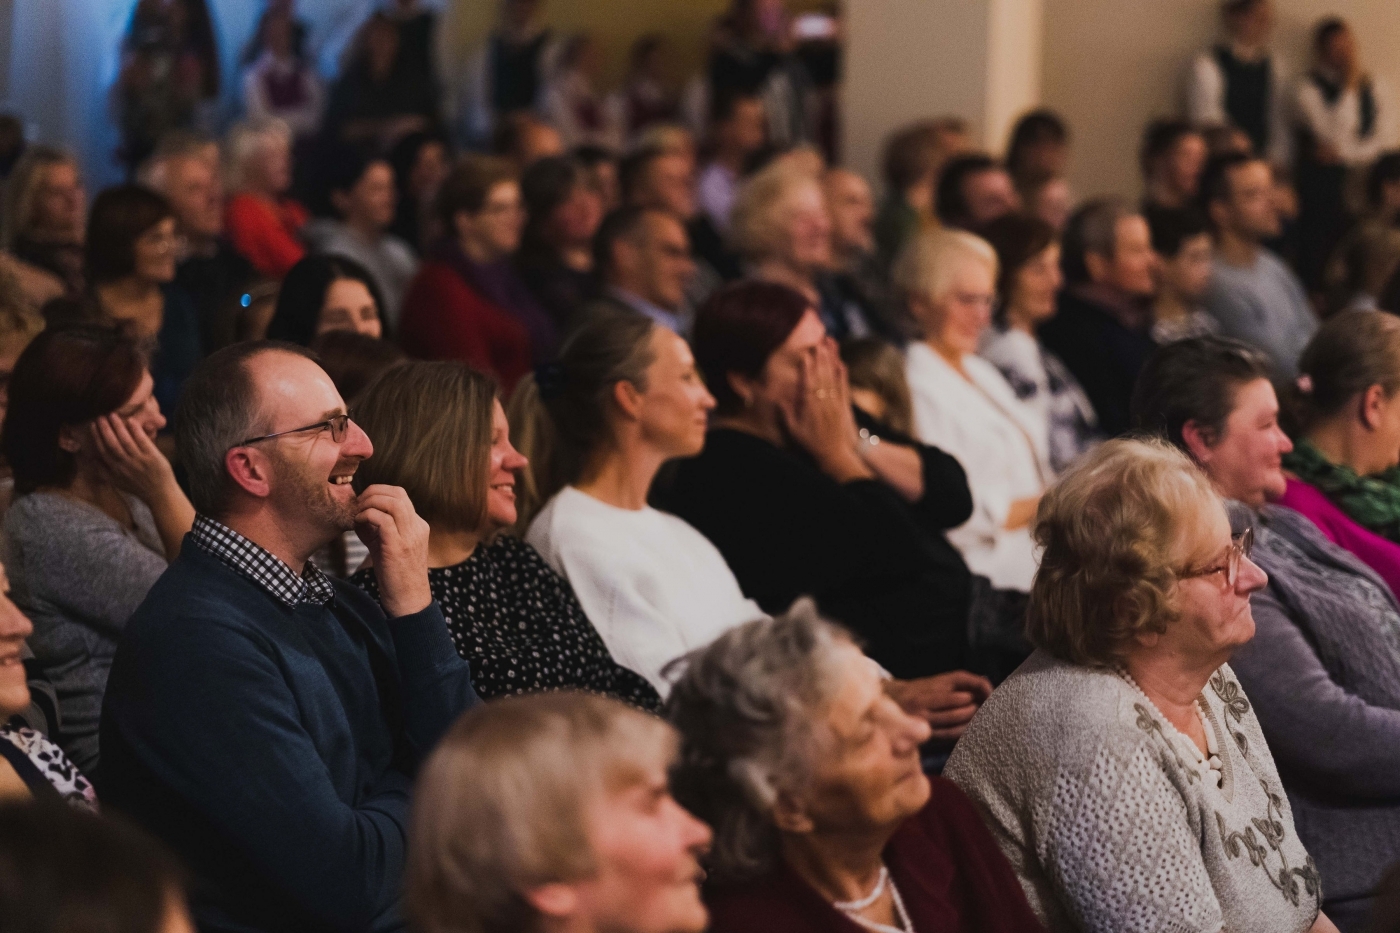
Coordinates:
x,y
421,163
380,95
131,249
1322,671
1028,285
61,872
556,249
441,434
802,498
1038,149
468,302
325,293
97,512
623,398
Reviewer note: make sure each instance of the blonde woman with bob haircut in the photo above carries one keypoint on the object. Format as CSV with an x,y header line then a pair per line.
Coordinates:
x,y
965,407
440,433
552,813
262,223
1122,767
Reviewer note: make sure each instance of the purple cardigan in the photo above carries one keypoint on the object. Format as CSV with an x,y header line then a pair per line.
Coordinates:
x,y
1379,554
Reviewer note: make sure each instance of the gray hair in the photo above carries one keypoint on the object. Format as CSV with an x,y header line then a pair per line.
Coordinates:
x,y
748,710
1092,229
246,140
218,409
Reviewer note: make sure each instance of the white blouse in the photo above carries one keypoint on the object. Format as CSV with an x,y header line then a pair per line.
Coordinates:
x,y
653,586
999,442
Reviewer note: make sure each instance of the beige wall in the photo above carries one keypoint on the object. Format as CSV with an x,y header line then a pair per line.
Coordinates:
x,y
1111,65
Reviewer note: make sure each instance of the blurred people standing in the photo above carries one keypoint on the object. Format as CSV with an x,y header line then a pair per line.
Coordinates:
x,y
507,72
1242,82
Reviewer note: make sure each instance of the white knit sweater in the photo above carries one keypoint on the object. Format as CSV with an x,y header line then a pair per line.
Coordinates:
x,y
653,586
1114,826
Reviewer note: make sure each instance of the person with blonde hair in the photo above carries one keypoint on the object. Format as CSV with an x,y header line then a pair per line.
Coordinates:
x,y
795,750
964,406
553,812
441,434
1122,768
262,223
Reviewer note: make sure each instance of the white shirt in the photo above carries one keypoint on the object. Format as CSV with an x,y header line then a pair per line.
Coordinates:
x,y
1001,445
1340,123
1204,101
653,586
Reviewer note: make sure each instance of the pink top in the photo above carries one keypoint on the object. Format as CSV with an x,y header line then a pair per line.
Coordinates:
x,y
1380,554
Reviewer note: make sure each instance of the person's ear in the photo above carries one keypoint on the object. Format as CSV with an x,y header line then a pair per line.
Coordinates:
x,y
1199,440
1099,267
557,901
628,398
1372,403
251,470
790,816
69,440
743,387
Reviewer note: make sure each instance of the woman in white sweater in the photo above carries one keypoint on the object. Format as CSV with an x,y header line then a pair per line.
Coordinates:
x,y
597,425
965,407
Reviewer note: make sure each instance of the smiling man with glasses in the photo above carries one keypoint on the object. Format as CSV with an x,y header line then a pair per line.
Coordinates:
x,y
265,720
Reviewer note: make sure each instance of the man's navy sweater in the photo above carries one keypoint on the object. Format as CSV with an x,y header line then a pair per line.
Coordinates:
x,y
274,746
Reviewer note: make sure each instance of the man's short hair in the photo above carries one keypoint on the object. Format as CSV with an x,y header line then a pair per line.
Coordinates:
x,y
634,169
626,223
1215,180
218,409
727,101
950,202
1092,229
1172,226
1160,138
914,152
469,184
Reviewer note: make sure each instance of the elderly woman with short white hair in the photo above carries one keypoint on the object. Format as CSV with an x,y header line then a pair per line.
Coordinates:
x,y
1122,767
793,749
261,222
965,407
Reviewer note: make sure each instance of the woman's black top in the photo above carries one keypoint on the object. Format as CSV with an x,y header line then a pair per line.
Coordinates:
x,y
873,561
520,627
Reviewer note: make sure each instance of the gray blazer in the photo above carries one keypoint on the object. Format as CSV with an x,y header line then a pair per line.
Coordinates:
x,y
1323,672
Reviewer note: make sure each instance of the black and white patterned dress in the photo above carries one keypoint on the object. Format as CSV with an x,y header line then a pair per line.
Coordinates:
x,y
520,627
41,764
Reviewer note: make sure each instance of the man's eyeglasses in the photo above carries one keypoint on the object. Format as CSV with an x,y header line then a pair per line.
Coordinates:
x,y
338,425
1242,546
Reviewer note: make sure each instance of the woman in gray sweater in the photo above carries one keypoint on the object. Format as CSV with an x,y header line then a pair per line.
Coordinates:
x,y
97,513
1121,767
1323,670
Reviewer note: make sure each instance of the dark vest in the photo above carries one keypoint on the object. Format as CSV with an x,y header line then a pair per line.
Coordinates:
x,y
1248,86
515,73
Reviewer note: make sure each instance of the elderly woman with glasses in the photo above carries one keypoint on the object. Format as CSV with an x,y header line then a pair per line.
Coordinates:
x,y
1122,767
795,752
1323,670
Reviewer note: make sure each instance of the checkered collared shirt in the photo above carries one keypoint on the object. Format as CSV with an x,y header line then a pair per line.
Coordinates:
x,y
259,565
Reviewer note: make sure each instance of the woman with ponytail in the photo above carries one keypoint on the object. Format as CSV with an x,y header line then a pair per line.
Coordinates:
x,y
622,399
1346,407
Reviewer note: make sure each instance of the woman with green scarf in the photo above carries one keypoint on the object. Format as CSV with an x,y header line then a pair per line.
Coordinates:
x,y
1343,472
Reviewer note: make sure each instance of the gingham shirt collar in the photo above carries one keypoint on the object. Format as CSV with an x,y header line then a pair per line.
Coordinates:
x,y
259,565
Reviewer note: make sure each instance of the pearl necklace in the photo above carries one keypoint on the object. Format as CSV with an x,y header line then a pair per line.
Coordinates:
x,y
852,909
1210,762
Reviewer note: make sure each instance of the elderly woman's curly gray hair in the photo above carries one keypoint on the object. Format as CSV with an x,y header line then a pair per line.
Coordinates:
x,y
748,707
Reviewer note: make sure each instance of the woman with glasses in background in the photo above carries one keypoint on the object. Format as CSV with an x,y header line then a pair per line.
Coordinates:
x,y
1323,670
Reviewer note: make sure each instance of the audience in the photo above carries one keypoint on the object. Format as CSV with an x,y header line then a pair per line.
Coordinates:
x,y
601,167
1037,151
656,177
554,812
263,224
964,406
1345,120
623,398
31,765
131,253
262,719
856,288
644,99
875,371
973,191
1122,769
468,301
644,265
507,72
556,248
912,163
737,131
1181,239
1253,295
323,294
1051,201
525,139
1028,281
831,506
1367,257
385,90
794,748
1319,669
45,213
1342,468
570,99
781,229
363,196
62,871
1242,83
511,617
97,512
280,82
185,171
1102,330
421,163
1172,157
